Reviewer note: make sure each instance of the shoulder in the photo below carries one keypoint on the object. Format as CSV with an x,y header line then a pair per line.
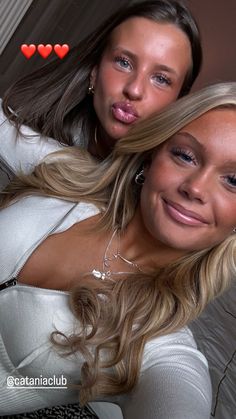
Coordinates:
x,y
215,333
174,381
174,362
176,352
180,343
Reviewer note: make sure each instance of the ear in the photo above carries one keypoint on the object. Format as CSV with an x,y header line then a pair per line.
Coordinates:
x,y
147,163
93,76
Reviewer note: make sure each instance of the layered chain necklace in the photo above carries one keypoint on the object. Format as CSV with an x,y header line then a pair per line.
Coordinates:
x,y
108,260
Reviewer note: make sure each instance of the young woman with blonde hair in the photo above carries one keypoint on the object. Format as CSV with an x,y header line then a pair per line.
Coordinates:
x,y
110,81
144,239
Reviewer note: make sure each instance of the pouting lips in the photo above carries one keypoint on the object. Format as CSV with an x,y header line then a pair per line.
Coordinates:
x,y
124,112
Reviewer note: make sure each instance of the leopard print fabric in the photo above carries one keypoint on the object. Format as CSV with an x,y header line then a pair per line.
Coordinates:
x,y
70,411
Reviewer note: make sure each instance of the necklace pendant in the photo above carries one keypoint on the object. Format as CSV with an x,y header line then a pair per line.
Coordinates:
x,y
99,275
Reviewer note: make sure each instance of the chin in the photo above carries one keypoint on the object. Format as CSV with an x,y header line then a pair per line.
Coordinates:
x,y
180,243
119,131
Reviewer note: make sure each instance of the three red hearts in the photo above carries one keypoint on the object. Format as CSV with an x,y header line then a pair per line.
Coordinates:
x,y
44,50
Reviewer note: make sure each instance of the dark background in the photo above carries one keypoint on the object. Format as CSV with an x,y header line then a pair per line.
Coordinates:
x,y
68,21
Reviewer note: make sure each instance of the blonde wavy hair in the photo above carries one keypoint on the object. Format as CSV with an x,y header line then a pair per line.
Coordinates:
x,y
117,319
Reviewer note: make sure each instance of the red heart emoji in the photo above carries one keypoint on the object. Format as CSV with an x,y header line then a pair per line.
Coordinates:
x,y
28,50
44,50
61,50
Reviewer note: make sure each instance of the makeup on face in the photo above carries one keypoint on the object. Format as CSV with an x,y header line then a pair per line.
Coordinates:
x,y
142,70
188,199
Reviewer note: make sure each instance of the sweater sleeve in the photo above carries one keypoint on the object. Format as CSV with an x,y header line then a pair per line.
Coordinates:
x,y
176,386
22,151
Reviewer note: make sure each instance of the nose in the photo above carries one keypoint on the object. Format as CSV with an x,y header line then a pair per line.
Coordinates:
x,y
134,88
196,187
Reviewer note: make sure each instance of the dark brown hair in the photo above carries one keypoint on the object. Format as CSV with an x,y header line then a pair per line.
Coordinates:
x,y
53,100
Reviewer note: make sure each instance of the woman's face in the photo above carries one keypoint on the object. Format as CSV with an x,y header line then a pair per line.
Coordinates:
x,y
141,71
188,200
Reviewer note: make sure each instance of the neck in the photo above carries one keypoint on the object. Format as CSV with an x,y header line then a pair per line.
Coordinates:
x,y
139,245
101,145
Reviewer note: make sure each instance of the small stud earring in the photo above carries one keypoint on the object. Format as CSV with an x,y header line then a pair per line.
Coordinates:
x,y
234,230
91,89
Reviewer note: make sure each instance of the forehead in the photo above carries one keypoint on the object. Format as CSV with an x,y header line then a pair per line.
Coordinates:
x,y
136,29
219,122
214,132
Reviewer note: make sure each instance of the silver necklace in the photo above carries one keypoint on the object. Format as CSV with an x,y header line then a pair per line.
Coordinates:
x,y
106,272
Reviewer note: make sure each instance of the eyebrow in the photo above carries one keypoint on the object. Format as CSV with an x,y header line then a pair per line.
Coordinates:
x,y
192,138
134,57
231,164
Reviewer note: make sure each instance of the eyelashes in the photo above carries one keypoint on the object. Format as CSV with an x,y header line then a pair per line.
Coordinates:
x,y
187,157
162,79
123,62
231,180
159,78
184,155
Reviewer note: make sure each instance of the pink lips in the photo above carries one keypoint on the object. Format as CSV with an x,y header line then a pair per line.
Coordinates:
x,y
182,215
124,112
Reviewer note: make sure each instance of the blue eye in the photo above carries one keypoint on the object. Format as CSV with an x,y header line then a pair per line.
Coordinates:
x,y
184,155
231,180
162,79
123,62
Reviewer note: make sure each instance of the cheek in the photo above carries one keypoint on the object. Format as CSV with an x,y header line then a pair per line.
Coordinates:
x,y
100,85
167,96
163,178
155,183
159,98
102,91
108,80
162,173
225,214
171,97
